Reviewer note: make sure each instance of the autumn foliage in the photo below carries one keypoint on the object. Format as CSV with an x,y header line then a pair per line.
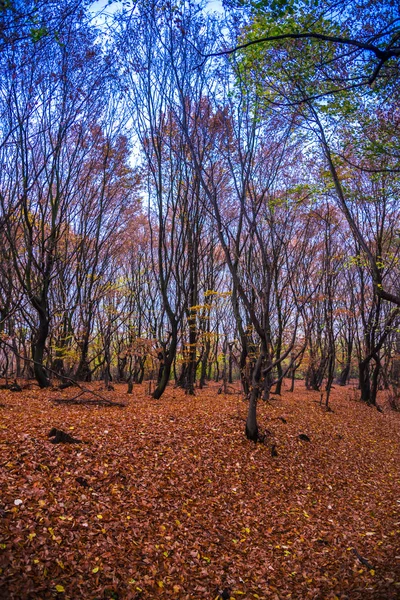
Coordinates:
x,y
167,499
199,300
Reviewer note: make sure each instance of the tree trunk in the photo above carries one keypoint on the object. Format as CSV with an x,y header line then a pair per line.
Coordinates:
x,y
364,380
344,375
163,379
204,363
38,352
243,376
83,372
165,369
230,365
278,387
122,362
251,421
293,377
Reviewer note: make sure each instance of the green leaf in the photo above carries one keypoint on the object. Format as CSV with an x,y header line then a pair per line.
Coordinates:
x,y
38,33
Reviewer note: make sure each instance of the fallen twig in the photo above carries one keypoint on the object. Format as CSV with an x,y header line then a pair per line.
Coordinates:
x,y
100,401
363,560
65,377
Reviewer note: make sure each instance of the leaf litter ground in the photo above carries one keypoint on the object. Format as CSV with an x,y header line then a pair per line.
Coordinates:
x,y
167,499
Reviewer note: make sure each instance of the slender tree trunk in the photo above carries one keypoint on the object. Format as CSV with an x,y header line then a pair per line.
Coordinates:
x,y
293,377
165,372
83,372
331,368
268,379
224,366
192,354
38,351
204,363
364,380
17,359
344,375
278,387
164,379
230,365
107,366
251,421
243,376
122,362
375,381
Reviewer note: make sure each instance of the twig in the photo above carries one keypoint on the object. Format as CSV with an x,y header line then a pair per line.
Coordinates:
x,y
363,560
70,379
98,402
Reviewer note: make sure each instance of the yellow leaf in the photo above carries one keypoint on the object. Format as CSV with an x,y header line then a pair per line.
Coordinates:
x,y
372,572
32,535
60,588
99,516
95,570
160,584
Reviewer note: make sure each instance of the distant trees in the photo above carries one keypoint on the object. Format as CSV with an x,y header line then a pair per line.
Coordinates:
x,y
55,175
256,236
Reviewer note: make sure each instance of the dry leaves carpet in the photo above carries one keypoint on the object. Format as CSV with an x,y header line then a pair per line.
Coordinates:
x,y
167,499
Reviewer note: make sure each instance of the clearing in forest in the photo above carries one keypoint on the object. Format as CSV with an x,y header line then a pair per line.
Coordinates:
x,y
167,499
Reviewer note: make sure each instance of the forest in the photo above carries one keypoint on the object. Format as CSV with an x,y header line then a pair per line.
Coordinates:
x,y
199,270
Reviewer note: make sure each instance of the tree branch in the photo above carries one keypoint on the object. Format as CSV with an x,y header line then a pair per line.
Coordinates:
x,y
382,55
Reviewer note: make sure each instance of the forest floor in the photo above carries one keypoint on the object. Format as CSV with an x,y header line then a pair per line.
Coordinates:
x,y
167,499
